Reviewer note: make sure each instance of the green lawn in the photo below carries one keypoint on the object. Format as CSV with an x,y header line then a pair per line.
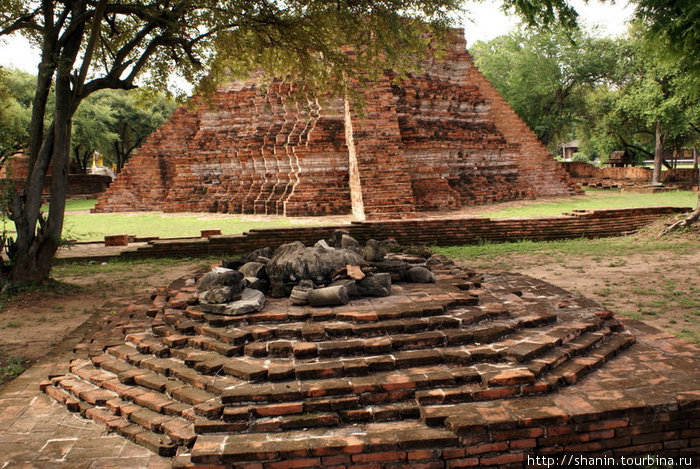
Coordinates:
x,y
581,246
596,199
93,227
74,205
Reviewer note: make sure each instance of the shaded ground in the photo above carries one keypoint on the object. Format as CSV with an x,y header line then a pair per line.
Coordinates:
x,y
32,322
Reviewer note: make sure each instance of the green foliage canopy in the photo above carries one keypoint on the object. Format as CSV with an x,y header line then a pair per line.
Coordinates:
x,y
136,114
645,89
16,93
544,75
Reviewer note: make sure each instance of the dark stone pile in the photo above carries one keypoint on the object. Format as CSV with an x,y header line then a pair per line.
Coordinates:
x,y
330,273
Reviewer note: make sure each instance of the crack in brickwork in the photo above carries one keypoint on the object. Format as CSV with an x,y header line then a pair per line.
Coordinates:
x,y
438,141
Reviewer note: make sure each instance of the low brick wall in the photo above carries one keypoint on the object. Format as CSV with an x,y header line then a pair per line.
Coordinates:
x,y
79,185
539,434
581,170
681,175
438,231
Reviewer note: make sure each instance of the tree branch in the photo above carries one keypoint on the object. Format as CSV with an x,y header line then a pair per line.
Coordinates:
x,y
634,147
90,49
25,21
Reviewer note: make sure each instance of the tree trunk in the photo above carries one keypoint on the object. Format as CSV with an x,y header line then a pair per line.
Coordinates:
x,y
37,245
47,66
658,155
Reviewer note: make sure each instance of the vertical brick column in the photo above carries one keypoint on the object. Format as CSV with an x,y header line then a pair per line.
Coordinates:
x,y
382,168
356,202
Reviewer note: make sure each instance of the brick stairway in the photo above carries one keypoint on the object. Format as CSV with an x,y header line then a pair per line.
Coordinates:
x,y
375,374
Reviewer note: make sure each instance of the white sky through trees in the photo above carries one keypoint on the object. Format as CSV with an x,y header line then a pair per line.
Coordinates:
x,y
484,21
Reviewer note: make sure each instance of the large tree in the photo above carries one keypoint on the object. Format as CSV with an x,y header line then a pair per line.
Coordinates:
x,y
649,91
90,45
651,105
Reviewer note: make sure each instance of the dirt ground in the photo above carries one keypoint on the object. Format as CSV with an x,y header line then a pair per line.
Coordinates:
x,y
659,287
32,322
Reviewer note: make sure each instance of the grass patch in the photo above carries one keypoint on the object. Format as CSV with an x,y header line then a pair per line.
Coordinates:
x,y
596,199
94,226
603,247
691,335
75,205
656,293
153,265
11,366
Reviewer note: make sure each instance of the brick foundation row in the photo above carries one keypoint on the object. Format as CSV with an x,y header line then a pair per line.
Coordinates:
x,y
591,175
514,434
438,231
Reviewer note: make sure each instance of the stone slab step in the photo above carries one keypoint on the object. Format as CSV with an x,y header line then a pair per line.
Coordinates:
x,y
223,449
380,383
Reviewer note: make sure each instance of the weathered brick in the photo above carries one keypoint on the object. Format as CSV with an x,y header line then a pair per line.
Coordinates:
x,y
398,173
379,457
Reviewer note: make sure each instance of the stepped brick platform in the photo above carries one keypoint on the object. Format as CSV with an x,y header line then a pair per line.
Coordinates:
x,y
438,231
439,140
475,370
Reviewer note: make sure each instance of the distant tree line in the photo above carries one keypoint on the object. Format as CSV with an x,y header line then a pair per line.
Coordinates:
x,y
111,122
610,94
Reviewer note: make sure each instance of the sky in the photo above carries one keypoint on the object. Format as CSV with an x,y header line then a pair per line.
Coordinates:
x,y
484,21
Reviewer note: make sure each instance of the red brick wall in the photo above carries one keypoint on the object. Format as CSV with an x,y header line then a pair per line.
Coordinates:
x,y
579,169
541,437
79,185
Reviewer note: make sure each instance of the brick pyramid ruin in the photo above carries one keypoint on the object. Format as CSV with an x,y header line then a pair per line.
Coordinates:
x,y
443,139
424,371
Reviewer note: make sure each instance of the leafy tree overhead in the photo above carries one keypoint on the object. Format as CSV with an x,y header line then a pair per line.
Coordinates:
x,y
673,22
676,24
90,45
